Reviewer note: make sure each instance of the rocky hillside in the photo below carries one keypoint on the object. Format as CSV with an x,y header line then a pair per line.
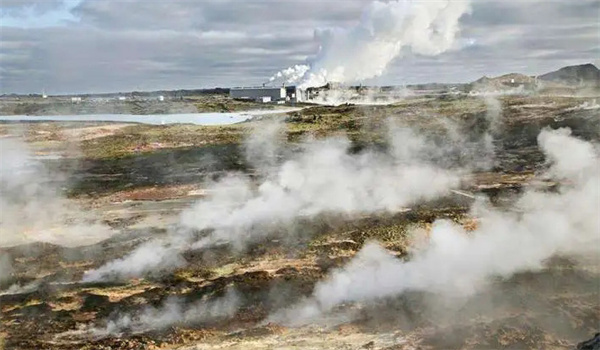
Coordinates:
x,y
512,81
568,79
580,75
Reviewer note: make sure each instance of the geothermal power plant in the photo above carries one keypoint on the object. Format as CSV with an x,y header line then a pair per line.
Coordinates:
x,y
387,175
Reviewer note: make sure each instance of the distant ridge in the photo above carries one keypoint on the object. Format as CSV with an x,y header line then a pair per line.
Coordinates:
x,y
511,81
580,75
570,77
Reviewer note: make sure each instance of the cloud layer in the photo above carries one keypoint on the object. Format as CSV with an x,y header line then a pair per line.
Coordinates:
x,y
386,29
95,46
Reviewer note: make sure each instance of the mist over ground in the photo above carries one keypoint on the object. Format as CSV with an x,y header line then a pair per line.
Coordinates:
x,y
429,216
33,207
399,221
458,263
321,177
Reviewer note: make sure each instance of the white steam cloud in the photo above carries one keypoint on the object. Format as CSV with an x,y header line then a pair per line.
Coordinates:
x,y
385,29
367,96
291,74
324,177
6,268
32,207
173,311
154,256
459,263
262,147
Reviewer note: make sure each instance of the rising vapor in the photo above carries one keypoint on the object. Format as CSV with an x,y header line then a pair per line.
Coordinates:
x,y
33,207
384,31
325,177
174,311
458,263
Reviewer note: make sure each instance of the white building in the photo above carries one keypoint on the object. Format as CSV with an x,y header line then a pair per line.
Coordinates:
x,y
261,94
295,94
269,94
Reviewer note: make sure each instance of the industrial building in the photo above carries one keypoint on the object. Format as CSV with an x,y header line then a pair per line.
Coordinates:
x,y
267,94
295,94
261,94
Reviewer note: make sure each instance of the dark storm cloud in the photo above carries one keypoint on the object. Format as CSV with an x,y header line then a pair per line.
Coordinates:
x,y
119,45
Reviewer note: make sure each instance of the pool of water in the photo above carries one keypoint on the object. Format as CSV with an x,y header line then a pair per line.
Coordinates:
x,y
156,119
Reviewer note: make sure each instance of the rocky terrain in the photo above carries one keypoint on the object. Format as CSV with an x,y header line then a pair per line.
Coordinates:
x,y
133,184
137,105
571,80
584,74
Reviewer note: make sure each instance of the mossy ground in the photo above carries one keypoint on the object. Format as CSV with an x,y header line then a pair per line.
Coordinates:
x,y
143,157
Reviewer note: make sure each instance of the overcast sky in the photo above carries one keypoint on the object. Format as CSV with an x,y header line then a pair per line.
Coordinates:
x,y
83,46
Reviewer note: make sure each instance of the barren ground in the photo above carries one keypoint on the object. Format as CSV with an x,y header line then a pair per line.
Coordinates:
x,y
138,178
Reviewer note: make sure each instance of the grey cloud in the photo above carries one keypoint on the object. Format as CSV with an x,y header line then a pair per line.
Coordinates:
x,y
19,7
217,14
95,60
141,15
490,13
122,45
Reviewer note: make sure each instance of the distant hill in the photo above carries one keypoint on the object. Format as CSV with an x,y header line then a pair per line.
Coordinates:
x,y
566,78
507,79
580,75
508,82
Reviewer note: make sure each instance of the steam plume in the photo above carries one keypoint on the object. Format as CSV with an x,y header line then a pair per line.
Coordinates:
x,y
372,96
173,311
324,177
385,29
6,268
32,207
153,256
458,263
264,145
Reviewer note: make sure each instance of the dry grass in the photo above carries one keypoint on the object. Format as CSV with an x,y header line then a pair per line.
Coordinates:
x,y
137,139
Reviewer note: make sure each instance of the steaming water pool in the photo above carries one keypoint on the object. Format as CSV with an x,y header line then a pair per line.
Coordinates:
x,y
156,119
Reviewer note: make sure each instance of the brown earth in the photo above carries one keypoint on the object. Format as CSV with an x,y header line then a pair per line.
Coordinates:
x,y
43,304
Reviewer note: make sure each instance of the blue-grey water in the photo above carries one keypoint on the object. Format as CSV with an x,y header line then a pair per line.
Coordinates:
x,y
157,119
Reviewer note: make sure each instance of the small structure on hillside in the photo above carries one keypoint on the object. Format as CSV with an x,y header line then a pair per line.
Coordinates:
x,y
296,94
260,94
266,94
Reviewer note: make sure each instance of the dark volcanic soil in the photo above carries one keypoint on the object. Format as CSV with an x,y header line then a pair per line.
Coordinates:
x,y
44,304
